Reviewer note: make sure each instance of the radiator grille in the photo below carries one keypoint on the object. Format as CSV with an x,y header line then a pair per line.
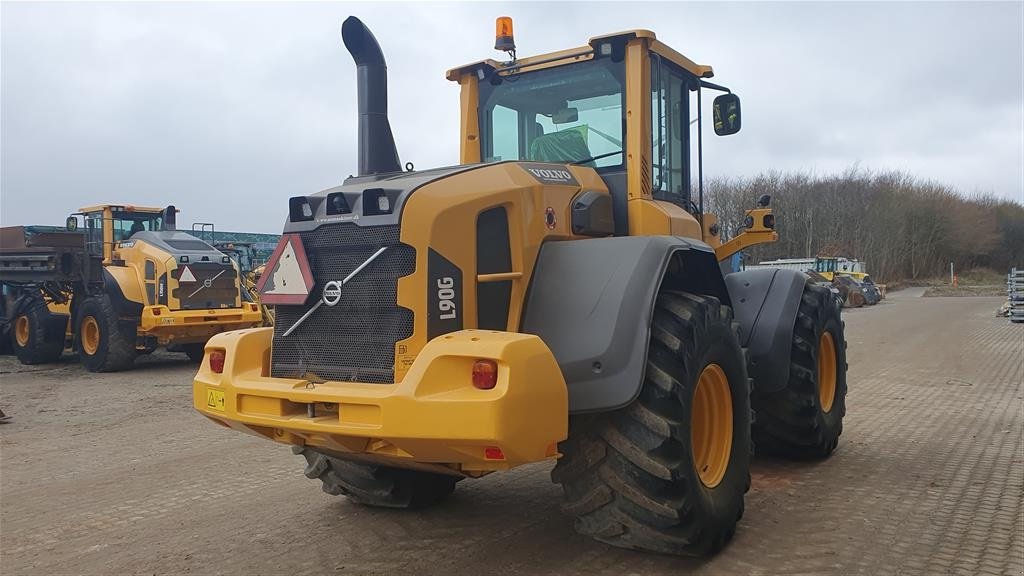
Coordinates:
x,y
212,285
354,340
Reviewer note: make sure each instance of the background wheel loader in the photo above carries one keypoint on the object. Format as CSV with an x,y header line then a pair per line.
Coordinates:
x,y
244,255
117,282
557,295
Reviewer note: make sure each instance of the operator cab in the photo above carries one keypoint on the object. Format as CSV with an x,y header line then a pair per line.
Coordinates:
x,y
107,224
624,105
243,254
825,265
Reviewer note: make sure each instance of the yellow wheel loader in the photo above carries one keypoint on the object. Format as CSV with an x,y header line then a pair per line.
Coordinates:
x,y
558,295
244,255
117,282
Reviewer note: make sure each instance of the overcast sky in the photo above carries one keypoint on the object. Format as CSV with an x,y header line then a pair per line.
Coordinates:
x,y
226,110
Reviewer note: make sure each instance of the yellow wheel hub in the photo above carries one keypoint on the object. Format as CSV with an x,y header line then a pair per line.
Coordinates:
x,y
21,331
90,330
826,371
711,425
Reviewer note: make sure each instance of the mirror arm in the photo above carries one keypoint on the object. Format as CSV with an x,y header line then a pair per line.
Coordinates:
x,y
709,85
700,160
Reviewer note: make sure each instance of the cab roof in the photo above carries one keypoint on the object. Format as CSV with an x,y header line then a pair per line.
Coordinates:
x,y
586,53
125,207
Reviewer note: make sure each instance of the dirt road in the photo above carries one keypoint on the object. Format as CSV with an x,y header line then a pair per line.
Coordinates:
x,y
111,474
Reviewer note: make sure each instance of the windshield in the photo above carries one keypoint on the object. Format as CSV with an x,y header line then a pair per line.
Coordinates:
x,y
571,113
128,223
241,256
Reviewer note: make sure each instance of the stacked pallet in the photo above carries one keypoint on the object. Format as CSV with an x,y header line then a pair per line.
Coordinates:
x,y
1015,290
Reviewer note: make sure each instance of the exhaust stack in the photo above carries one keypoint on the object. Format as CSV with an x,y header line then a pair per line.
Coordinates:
x,y
377,153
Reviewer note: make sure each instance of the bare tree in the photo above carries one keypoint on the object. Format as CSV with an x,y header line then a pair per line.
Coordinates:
x,y
902,227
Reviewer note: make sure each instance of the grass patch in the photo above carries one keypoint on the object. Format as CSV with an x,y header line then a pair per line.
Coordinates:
x,y
966,291
983,277
974,282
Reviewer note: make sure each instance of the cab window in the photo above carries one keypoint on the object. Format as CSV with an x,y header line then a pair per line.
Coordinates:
x,y
505,134
566,114
128,223
94,232
670,129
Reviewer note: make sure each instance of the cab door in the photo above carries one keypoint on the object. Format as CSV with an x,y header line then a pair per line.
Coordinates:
x,y
94,241
670,132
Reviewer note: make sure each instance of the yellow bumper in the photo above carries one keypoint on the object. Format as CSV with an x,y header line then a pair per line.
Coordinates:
x,y
159,319
434,416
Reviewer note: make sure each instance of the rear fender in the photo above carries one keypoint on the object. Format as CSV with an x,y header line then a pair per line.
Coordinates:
x,y
591,302
122,288
765,303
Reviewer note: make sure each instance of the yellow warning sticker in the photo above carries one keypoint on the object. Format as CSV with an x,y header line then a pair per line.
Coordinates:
x,y
215,399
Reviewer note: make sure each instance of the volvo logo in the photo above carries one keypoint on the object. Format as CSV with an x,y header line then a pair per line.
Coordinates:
x,y
332,293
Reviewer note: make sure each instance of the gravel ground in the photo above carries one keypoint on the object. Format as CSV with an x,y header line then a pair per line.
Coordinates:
x,y
113,474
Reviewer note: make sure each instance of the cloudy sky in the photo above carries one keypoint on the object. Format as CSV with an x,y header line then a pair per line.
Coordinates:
x,y
228,109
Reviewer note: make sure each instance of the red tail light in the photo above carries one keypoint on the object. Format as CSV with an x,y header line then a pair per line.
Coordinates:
x,y
156,311
216,360
493,453
485,374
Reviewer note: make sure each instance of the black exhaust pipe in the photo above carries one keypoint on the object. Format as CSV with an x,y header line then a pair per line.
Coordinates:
x,y
377,153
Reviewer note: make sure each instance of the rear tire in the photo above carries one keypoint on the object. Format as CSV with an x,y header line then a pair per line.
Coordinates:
x,y
375,485
100,343
37,335
195,352
631,476
805,419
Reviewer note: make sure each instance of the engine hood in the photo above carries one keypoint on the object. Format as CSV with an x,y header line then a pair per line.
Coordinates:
x,y
361,195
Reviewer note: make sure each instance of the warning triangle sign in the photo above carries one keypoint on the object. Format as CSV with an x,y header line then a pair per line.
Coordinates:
x,y
187,275
287,278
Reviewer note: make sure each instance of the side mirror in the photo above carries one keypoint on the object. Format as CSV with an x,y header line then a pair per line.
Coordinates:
x,y
727,114
565,115
71,224
170,218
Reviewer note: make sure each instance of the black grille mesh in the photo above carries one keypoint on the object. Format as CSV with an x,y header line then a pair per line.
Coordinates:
x,y
354,340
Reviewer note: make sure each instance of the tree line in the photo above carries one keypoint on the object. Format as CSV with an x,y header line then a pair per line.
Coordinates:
x,y
902,227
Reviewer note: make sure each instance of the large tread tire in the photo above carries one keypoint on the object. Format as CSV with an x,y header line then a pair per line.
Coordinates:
x,y
114,351
6,329
43,343
375,485
792,422
628,475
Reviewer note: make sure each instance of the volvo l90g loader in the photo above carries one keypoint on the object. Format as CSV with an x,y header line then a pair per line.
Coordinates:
x,y
118,281
557,295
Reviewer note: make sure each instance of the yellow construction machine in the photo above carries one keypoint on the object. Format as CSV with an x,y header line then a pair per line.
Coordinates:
x,y
118,281
244,255
559,294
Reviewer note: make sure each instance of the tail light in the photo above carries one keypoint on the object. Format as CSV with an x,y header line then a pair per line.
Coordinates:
x,y
493,453
485,374
216,360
